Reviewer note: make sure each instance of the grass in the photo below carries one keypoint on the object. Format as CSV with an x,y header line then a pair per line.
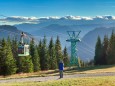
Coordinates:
x,y
68,71
95,69
91,81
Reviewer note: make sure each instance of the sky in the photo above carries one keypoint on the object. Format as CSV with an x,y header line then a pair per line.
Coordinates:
x,y
44,8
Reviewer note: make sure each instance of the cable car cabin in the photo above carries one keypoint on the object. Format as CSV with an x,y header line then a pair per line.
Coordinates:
x,y
23,50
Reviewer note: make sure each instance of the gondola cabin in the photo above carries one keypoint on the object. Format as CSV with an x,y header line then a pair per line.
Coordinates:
x,y
23,50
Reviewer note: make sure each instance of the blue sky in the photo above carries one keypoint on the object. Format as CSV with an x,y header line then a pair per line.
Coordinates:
x,y
43,8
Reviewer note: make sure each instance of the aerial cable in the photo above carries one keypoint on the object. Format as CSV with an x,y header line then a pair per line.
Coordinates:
x,y
81,41
83,51
88,45
86,49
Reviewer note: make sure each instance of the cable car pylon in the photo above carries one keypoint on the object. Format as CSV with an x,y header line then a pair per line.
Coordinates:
x,y
74,39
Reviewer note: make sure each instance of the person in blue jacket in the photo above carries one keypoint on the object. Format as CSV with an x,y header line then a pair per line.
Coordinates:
x,y
61,67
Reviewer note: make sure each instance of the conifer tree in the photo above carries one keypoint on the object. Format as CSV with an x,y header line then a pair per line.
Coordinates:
x,y
35,56
65,57
45,57
39,47
7,62
58,50
40,52
98,52
25,64
52,55
104,51
111,49
14,45
9,41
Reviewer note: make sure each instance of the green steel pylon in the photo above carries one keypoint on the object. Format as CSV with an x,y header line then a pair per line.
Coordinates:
x,y
73,39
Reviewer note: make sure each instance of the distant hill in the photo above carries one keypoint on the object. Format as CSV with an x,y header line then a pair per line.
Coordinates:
x,y
85,24
86,48
11,31
52,30
53,26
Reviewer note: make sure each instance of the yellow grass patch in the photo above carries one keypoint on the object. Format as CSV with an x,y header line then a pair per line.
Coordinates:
x,y
91,81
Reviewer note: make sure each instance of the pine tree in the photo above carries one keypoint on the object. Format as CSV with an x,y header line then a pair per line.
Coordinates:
x,y
45,57
52,55
25,64
9,41
39,47
40,52
14,46
98,52
8,63
111,50
104,51
35,56
58,50
65,57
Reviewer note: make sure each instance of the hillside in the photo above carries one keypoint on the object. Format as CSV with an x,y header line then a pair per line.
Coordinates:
x,y
11,31
85,24
53,26
86,48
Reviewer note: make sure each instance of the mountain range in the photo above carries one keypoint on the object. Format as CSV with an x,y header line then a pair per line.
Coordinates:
x,y
63,24
53,26
90,28
12,32
86,48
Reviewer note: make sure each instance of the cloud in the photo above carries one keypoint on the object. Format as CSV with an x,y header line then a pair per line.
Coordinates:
x,y
87,18
51,17
18,20
34,20
76,18
106,17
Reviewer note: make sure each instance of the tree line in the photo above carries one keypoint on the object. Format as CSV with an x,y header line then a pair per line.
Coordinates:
x,y
105,50
43,56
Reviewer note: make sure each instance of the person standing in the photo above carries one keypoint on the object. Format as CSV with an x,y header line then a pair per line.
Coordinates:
x,y
61,67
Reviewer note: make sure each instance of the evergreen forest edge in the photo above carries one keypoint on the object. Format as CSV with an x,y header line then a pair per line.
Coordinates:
x,y
47,57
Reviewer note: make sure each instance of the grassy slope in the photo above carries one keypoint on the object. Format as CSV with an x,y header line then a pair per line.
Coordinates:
x,y
94,81
97,69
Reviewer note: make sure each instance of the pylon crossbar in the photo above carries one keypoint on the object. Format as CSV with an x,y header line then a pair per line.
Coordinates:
x,y
73,34
78,34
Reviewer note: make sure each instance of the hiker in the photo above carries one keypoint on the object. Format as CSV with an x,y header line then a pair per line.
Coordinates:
x,y
61,67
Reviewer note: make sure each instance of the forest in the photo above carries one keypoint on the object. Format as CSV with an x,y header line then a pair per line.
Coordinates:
x,y
105,50
43,56
46,56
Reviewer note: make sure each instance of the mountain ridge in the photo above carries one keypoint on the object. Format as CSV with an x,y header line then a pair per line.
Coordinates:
x,y
12,32
86,49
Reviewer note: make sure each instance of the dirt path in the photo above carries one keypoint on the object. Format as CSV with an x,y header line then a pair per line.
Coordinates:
x,y
39,79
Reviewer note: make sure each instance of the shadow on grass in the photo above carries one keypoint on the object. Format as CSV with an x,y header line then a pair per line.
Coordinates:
x,y
72,70
51,72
